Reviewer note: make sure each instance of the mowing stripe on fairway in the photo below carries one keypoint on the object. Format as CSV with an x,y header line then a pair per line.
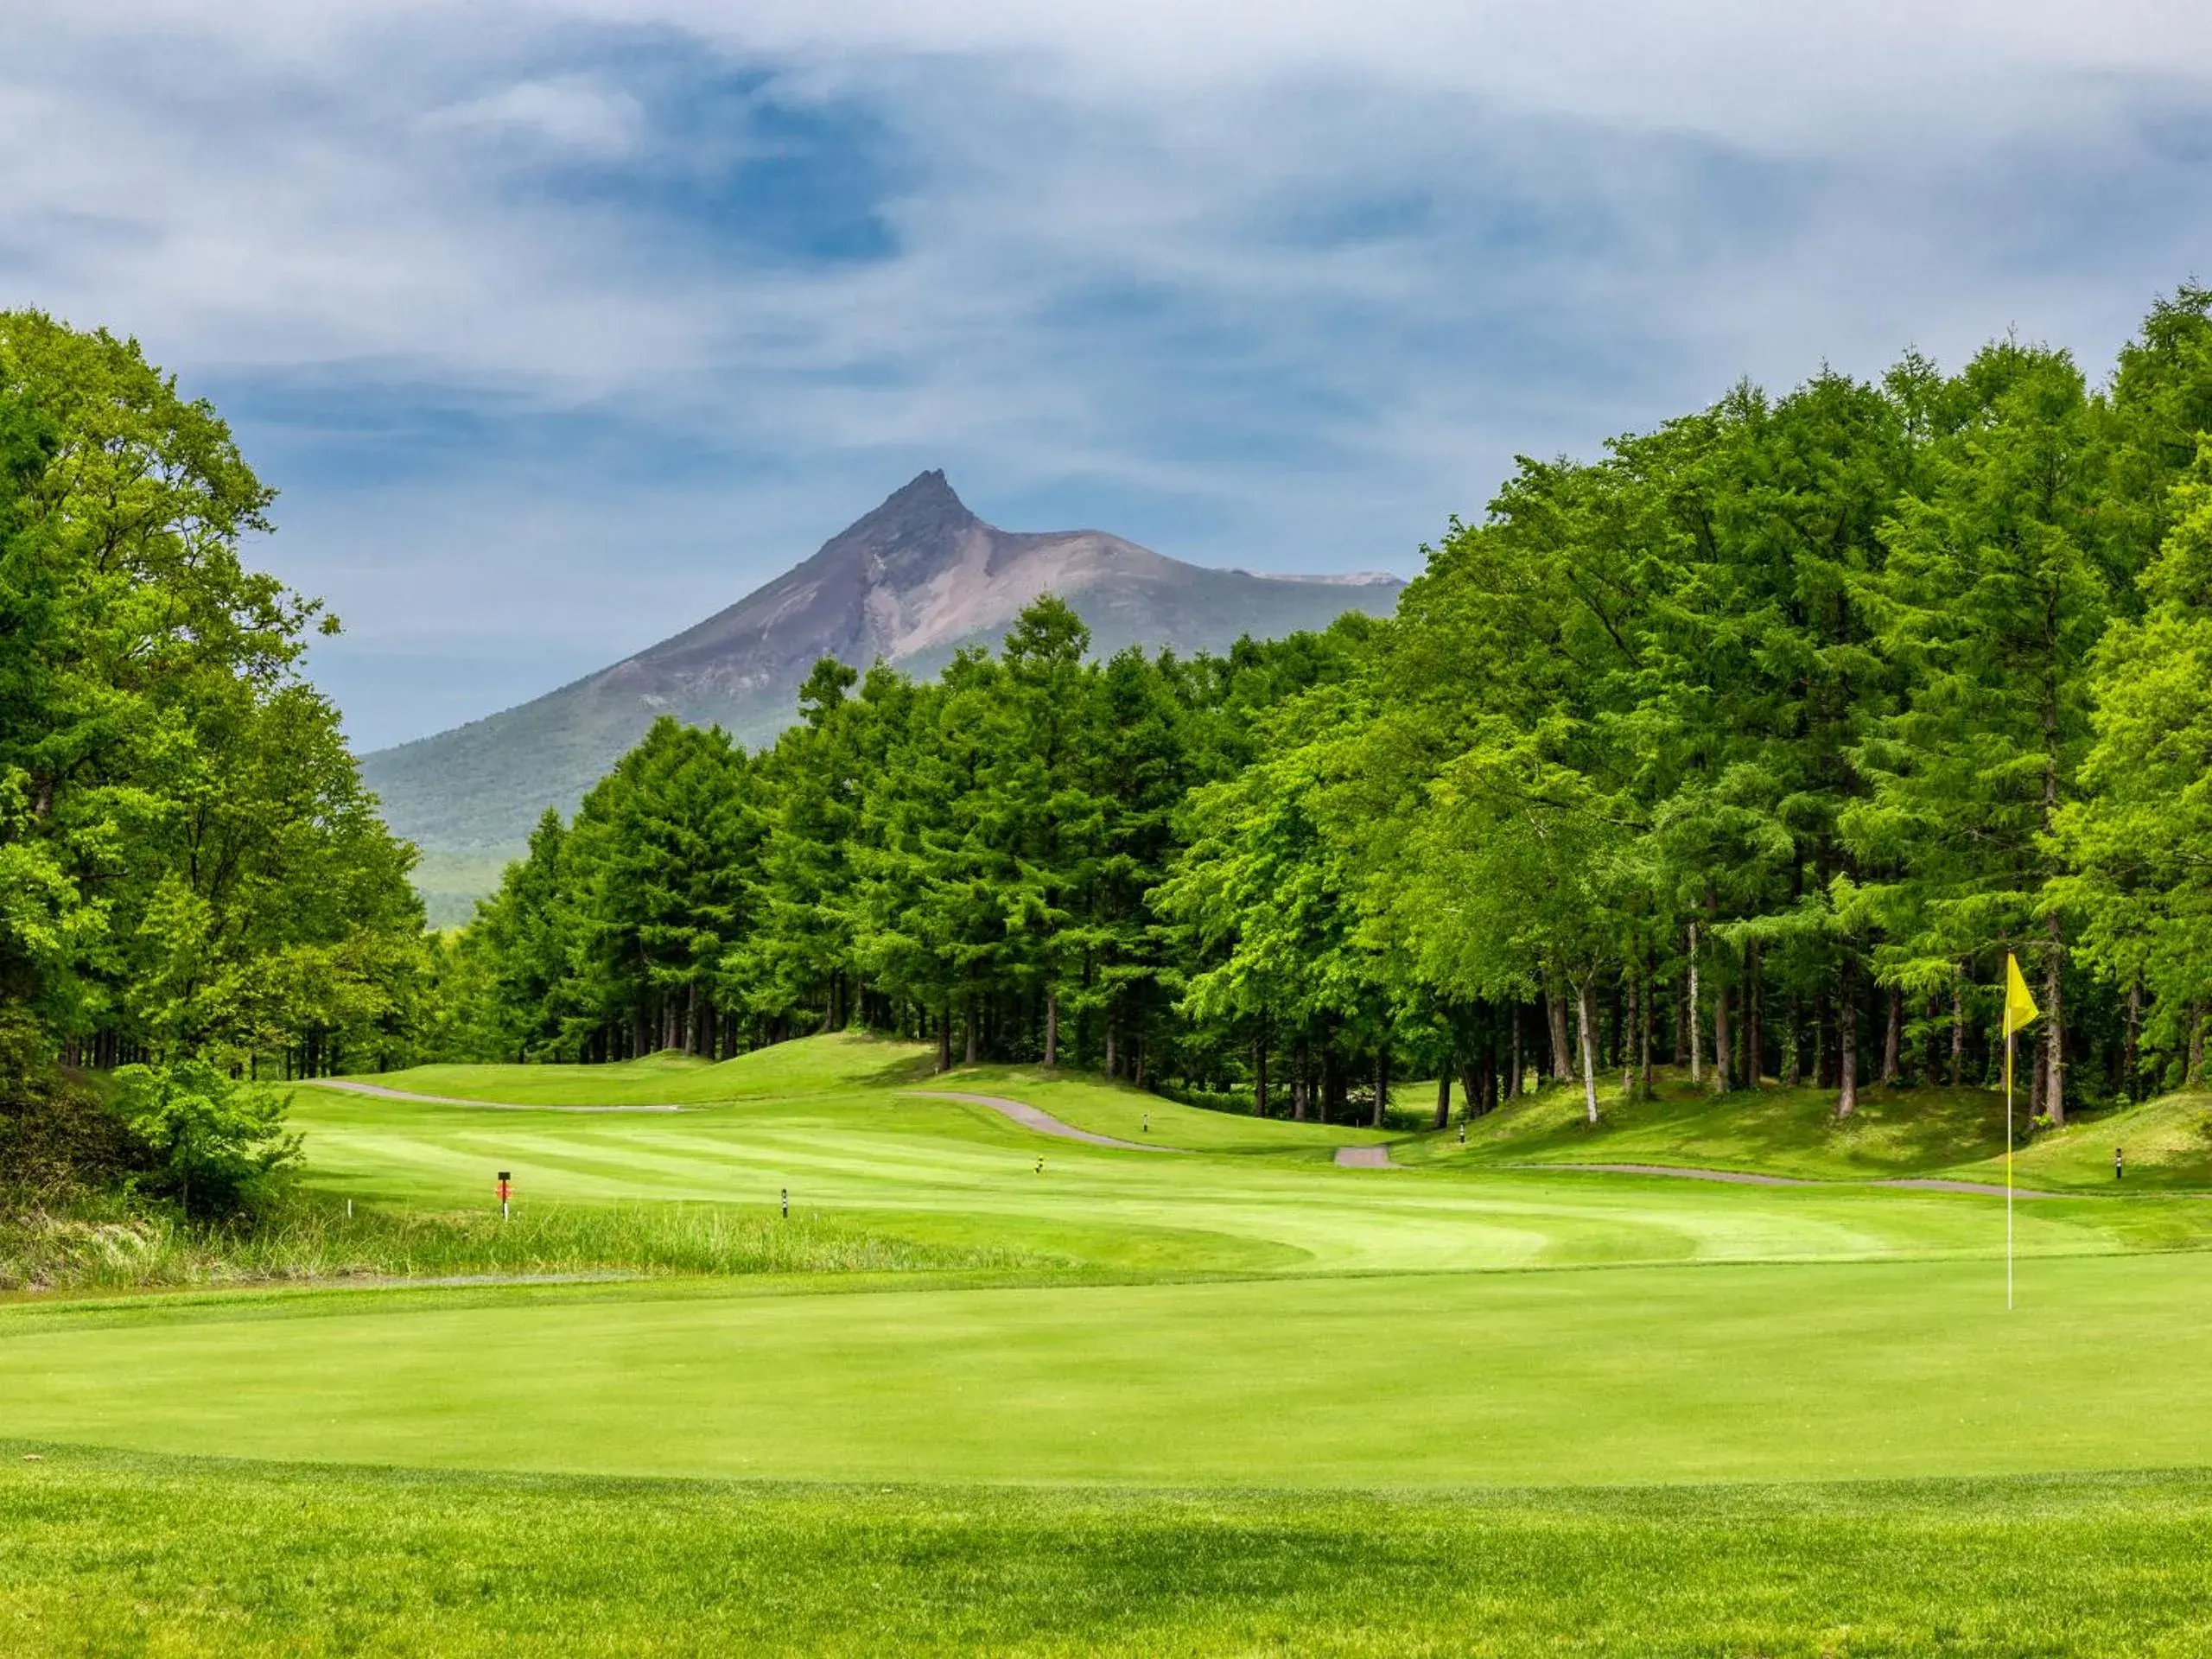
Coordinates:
x,y
348,1086
1667,1374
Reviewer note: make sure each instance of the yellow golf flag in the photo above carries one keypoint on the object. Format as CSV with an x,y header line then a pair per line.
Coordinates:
x,y
2020,1010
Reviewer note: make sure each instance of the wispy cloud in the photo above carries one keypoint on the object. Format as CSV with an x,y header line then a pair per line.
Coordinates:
x,y
563,324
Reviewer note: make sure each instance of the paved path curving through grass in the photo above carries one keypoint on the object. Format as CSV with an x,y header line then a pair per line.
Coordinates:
x,y
1364,1157
1030,1118
382,1093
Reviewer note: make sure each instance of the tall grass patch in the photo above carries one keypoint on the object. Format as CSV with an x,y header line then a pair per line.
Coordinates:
x,y
94,1246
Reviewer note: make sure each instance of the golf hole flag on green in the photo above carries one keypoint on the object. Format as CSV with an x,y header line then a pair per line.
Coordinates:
x,y
2020,1011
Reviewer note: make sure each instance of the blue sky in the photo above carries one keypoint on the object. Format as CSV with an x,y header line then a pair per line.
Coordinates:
x,y
562,326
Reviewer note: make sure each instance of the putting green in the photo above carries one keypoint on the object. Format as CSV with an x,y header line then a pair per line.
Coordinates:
x,y
1678,1374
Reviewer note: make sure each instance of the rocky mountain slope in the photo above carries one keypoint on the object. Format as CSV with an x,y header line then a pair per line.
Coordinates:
x,y
909,583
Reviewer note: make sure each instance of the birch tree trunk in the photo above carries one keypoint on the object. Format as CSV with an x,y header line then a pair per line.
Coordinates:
x,y
1052,1028
1585,995
1644,1039
1697,1068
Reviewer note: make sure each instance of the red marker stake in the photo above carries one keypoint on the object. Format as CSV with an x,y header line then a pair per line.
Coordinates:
x,y
503,1190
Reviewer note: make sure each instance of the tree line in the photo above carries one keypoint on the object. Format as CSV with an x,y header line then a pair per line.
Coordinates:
x,y
1752,745
189,865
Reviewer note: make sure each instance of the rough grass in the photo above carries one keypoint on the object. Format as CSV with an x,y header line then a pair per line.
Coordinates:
x,y
112,1248
111,1553
2168,1141
1894,1132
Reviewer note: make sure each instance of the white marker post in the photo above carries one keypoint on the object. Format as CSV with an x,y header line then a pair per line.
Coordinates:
x,y
503,1190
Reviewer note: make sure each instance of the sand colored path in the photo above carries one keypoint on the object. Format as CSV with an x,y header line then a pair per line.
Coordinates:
x,y
1364,1157
1030,1118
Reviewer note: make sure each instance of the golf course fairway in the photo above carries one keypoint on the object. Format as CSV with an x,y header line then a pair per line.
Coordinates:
x,y
1209,1390
1756,1372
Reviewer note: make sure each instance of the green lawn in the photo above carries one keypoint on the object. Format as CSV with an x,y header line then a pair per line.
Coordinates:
x,y
1185,1366
1752,1372
121,1554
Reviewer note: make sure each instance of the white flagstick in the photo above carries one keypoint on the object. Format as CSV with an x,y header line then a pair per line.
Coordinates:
x,y
2008,1160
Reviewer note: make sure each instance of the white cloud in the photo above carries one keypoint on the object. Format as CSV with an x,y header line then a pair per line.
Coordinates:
x,y
1272,285
570,113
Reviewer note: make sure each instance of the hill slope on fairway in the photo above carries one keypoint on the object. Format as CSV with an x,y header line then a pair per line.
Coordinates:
x,y
849,1127
1895,1133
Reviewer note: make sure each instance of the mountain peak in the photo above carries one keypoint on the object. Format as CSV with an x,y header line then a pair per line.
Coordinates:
x,y
923,507
909,583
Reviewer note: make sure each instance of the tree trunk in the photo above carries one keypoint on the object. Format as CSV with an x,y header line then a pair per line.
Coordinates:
x,y
2130,1053
1793,1037
2054,1034
1958,1034
1300,1083
2196,1048
1644,1039
1754,1021
1382,1084
1513,1076
944,1037
1555,1014
1723,1050
1259,1074
1697,1068
1892,1038
1444,1096
1846,1031
975,1051
1052,1030
1585,1006
1626,1045
1111,1057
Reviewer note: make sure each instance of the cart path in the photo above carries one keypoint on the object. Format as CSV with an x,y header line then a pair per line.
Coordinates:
x,y
1362,1157
1745,1178
383,1093
1030,1118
